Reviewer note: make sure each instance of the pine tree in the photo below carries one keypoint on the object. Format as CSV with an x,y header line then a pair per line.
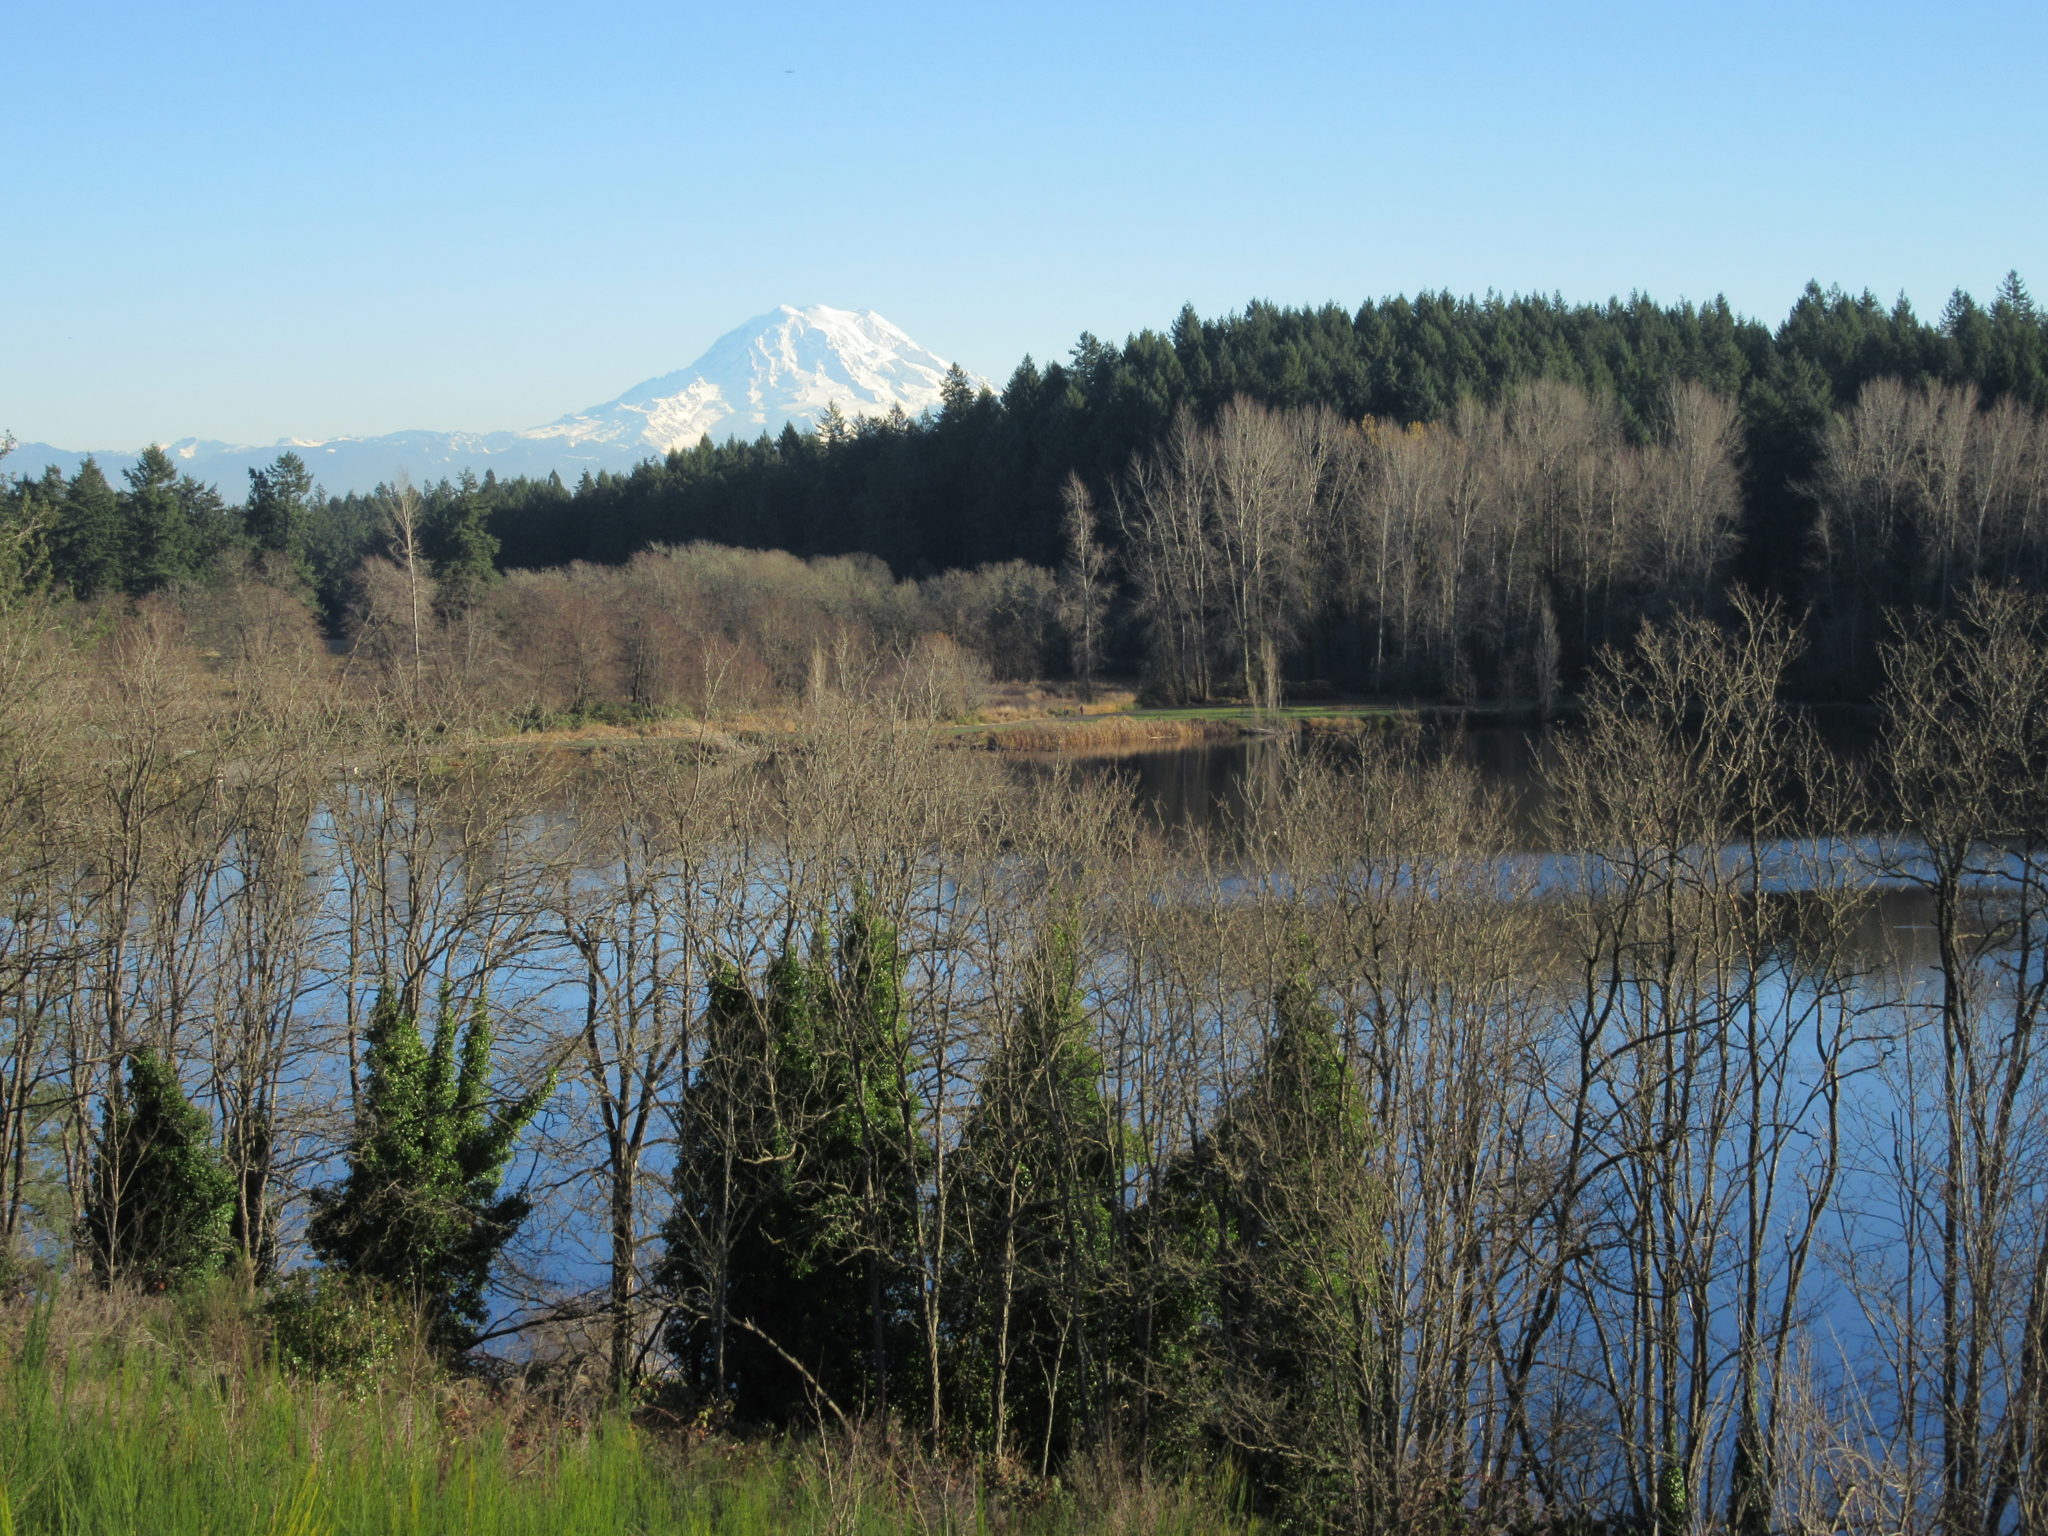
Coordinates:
x,y
277,511
462,548
420,1210
2016,361
833,427
27,510
160,1199
956,396
160,543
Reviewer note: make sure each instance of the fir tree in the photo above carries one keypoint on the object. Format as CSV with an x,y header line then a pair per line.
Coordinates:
x,y
463,550
26,513
160,543
1038,1198
86,541
277,511
160,1199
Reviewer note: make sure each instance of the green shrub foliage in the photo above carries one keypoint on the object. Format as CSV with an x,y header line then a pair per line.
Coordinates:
x,y
420,1210
329,1324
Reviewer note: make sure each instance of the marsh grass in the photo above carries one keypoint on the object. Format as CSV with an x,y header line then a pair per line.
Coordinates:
x,y
1101,733
172,1418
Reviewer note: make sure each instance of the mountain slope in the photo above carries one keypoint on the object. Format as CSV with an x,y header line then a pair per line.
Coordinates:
x,y
785,366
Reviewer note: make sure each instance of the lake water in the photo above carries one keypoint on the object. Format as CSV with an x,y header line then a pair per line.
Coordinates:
x,y
1204,787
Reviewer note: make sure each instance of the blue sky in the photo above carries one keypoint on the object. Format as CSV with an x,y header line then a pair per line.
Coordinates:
x,y
243,221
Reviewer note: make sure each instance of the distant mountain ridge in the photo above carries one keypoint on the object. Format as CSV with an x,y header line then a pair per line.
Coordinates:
x,y
785,367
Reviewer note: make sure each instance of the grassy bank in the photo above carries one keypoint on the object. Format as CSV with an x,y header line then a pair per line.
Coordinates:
x,y
171,1418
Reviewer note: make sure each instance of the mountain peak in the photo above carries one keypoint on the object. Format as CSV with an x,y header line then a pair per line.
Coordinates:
x,y
788,365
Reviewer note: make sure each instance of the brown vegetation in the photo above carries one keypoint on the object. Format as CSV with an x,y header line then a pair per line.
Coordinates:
x,y
1408,1178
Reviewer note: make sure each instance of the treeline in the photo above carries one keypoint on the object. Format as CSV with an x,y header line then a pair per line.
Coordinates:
x,y
1274,552
1582,466
1405,1176
162,531
980,481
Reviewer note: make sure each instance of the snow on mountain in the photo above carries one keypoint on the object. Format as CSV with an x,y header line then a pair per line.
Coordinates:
x,y
786,366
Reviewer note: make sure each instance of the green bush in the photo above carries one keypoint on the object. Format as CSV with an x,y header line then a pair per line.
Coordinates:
x,y
420,1209
327,1324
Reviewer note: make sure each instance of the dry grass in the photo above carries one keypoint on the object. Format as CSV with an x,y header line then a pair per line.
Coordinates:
x,y
1006,706
1007,703
678,728
1102,734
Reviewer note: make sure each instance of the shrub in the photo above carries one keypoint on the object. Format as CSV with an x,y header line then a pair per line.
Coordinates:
x,y
325,1323
420,1209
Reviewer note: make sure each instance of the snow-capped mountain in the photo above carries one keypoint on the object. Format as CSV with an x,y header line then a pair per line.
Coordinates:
x,y
787,366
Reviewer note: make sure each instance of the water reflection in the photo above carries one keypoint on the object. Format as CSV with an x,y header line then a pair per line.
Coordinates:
x,y
1204,787
1191,789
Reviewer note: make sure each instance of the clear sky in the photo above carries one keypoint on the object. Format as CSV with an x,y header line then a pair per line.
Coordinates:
x,y
249,221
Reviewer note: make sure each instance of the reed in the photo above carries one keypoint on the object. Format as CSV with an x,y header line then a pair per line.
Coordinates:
x,y
1105,733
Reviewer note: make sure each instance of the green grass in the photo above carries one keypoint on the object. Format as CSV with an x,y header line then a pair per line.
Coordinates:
x,y
112,1431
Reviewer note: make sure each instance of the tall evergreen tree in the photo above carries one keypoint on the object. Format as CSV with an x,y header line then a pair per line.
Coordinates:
x,y
1275,1226
1037,1201
27,511
740,1250
160,544
461,546
85,552
1301,1259
797,1179
874,1168
279,507
160,1199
